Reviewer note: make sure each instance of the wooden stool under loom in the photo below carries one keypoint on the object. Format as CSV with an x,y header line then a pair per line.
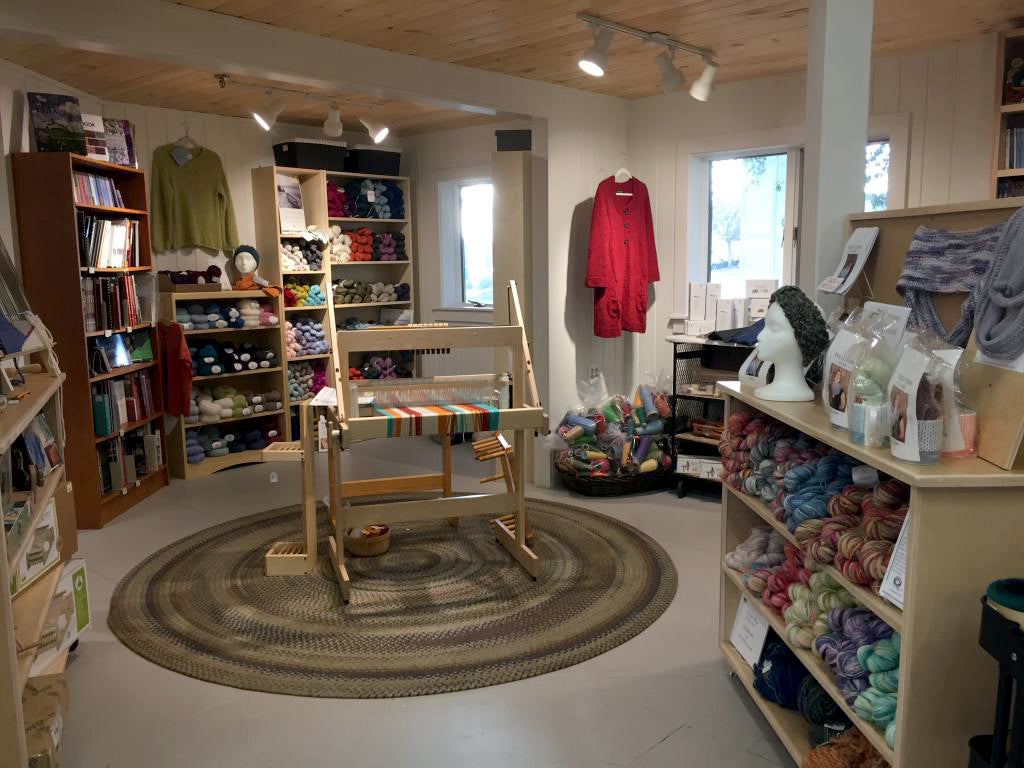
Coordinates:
x,y
498,448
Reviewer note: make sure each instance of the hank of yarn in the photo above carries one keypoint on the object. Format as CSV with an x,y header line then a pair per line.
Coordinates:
x,y
779,674
816,706
763,547
847,630
850,750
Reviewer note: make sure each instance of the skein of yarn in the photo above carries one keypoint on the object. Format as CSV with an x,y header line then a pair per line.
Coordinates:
x,y
816,706
763,547
851,750
846,631
778,674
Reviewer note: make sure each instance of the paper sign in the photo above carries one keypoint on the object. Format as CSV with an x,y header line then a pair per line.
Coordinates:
x,y
830,284
326,396
896,573
851,262
749,631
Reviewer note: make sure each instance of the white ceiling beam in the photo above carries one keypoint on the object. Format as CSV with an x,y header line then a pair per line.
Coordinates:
x,y
161,31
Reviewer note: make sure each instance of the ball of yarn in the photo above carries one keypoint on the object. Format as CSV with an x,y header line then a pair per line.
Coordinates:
x,y
778,674
816,706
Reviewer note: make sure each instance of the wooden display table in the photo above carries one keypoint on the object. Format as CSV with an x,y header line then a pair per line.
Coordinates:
x,y
965,532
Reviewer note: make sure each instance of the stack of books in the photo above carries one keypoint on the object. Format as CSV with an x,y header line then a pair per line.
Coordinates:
x,y
117,402
91,189
1013,148
124,460
110,302
107,242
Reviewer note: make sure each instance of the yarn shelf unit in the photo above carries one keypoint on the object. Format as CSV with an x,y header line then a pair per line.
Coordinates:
x,y
310,308
301,272
300,358
814,665
952,556
47,224
177,455
131,425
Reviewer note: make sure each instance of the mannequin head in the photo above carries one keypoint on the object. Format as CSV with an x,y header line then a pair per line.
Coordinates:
x,y
246,260
794,335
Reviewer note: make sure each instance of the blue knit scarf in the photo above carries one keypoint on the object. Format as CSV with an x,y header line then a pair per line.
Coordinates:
x,y
1001,309
940,261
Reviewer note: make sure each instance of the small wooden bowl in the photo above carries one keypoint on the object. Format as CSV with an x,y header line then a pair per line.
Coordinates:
x,y
362,546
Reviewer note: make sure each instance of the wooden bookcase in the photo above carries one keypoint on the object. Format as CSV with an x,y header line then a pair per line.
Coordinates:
x,y
313,184
1006,181
263,379
52,273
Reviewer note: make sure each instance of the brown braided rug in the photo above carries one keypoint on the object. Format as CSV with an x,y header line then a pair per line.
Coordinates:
x,y
445,609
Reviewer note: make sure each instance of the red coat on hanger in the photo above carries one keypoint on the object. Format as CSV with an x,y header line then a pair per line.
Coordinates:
x,y
621,258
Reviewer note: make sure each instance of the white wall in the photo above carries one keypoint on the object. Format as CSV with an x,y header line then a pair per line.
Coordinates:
x,y
946,92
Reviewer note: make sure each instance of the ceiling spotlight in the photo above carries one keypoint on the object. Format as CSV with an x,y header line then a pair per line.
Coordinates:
x,y
333,126
671,78
268,116
378,131
701,88
595,60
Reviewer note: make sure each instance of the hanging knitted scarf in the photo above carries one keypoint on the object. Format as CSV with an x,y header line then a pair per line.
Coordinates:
x,y
1001,306
940,261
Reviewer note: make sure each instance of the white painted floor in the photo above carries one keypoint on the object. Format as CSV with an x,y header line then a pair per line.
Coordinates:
x,y
662,699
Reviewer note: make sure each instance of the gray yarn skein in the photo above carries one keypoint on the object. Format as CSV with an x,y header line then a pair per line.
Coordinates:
x,y
999,332
941,261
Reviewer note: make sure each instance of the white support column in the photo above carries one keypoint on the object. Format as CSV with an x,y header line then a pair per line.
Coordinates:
x,y
838,101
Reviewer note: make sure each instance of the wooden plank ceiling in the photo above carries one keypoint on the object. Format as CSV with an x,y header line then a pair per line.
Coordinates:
x,y
156,84
541,39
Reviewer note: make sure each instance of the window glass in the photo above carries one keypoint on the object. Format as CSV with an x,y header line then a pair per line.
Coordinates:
x,y
476,224
876,176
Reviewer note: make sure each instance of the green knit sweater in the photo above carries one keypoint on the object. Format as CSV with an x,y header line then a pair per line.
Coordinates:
x,y
191,203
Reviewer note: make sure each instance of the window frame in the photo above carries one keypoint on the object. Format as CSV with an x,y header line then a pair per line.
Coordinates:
x,y
451,247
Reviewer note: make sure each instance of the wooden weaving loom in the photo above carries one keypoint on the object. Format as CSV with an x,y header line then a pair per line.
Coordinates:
x,y
410,408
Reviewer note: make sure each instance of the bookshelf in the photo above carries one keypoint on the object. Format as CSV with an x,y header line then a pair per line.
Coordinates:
x,y
53,274
1008,145
255,380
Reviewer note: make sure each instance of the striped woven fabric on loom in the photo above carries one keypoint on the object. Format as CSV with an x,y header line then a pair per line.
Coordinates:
x,y
464,417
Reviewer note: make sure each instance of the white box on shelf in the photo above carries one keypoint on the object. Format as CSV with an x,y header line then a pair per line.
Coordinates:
x,y
724,315
761,289
699,327
712,295
689,465
757,309
741,312
696,298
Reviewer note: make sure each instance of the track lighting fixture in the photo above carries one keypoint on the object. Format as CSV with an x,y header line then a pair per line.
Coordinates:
x,y
595,60
267,116
701,88
378,131
671,78
333,126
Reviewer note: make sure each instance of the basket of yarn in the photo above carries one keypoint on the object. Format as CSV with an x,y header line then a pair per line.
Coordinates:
x,y
370,541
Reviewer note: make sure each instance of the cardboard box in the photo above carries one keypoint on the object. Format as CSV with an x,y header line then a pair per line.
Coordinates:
x,y
724,315
761,289
689,465
757,309
699,327
710,469
712,295
741,312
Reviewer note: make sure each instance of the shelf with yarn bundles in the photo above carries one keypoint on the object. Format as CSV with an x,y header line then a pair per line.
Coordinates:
x,y
252,434
805,490
223,403
209,316
299,294
350,294
217,359
299,255
371,198
305,379
305,338
363,246
853,655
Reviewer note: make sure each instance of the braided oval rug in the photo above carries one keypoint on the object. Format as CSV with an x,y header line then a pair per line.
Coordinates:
x,y
445,609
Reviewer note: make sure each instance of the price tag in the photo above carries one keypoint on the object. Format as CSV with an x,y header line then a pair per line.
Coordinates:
x,y
371,196
138,483
896,574
749,631
107,333
124,491
92,270
830,284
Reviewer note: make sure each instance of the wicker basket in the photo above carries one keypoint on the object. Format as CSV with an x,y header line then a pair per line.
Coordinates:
x,y
615,486
360,546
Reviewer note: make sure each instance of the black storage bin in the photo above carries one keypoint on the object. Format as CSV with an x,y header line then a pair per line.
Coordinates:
x,y
321,154
372,160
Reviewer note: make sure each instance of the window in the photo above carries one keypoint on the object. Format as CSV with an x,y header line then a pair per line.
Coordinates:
x,y
752,205
476,224
876,176
747,220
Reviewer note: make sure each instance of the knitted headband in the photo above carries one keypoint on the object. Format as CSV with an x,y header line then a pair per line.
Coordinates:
x,y
246,249
805,317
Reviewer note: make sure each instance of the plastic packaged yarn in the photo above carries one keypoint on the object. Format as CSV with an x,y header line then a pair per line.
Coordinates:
x,y
960,419
876,356
838,370
916,398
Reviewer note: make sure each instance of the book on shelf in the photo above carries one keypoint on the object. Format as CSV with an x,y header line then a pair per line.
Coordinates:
x,y
93,189
41,446
1010,187
1013,148
120,142
117,402
110,302
107,243
128,458
95,137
